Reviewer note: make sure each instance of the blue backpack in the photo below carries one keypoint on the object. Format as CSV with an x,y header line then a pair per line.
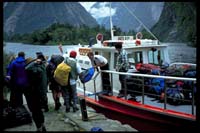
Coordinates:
x,y
87,75
96,129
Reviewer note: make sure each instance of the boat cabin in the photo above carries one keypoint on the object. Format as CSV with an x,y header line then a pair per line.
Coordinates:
x,y
147,52
83,59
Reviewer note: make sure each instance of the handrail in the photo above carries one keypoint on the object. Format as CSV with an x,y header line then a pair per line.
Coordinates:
x,y
149,76
181,63
94,79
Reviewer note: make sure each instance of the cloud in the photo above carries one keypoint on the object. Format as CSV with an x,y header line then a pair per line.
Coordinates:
x,y
87,5
100,12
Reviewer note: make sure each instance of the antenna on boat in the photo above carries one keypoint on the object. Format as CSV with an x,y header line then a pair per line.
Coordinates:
x,y
111,25
140,21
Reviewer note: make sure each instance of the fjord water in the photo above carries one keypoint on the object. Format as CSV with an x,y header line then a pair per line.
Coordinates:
x,y
178,52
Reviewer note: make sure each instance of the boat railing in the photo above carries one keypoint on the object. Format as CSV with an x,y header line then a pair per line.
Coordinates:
x,y
177,64
139,81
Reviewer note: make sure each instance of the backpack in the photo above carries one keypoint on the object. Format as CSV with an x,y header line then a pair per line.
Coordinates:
x,y
96,129
61,74
13,117
50,71
86,75
53,63
174,95
57,59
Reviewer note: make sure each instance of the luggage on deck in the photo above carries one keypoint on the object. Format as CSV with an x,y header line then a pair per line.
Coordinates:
x,y
147,68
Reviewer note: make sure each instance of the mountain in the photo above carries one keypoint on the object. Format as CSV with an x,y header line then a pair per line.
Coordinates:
x,y
147,12
25,17
177,22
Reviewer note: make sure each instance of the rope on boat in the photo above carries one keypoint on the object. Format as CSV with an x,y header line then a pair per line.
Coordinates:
x,y
139,21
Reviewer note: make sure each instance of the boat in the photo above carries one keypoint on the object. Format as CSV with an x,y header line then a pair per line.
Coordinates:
x,y
151,111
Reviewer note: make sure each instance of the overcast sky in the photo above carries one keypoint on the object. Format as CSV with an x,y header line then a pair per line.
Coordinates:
x,y
97,12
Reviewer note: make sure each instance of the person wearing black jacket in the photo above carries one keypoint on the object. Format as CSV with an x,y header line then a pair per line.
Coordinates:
x,y
37,78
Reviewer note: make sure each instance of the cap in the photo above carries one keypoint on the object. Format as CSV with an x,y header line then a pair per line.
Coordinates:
x,y
73,54
41,56
39,53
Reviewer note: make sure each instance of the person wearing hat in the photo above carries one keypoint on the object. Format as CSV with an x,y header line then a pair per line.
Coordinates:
x,y
75,71
37,76
44,99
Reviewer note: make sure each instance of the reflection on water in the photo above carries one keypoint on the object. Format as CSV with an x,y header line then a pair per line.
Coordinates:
x,y
177,52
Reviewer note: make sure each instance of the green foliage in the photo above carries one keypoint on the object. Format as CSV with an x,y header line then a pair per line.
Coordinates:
x,y
177,23
6,60
62,33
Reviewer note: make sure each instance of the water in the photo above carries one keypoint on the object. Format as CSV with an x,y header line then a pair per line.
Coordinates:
x,y
181,53
30,50
177,52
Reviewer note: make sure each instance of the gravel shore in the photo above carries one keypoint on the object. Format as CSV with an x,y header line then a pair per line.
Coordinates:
x,y
72,121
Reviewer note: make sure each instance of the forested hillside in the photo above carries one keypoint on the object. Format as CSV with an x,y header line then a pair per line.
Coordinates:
x,y
177,23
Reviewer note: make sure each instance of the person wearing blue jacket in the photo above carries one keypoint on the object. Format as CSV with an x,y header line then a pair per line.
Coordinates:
x,y
18,78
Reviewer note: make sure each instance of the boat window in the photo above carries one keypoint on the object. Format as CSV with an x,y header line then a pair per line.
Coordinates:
x,y
120,38
96,52
138,57
80,61
115,59
87,62
155,57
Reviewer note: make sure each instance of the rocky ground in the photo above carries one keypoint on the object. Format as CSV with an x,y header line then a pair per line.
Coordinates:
x,y
62,121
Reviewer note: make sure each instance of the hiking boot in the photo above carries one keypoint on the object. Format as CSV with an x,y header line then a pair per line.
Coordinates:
x,y
75,109
46,109
57,106
41,129
44,129
120,95
70,104
67,110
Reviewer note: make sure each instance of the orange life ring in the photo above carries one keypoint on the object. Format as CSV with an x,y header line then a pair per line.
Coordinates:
x,y
137,42
139,35
99,37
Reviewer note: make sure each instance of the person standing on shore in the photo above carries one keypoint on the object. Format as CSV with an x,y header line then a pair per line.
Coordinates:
x,y
37,76
121,66
75,71
65,55
18,80
54,61
102,62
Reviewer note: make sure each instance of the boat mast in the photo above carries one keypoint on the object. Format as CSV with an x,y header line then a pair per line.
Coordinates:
x,y
139,21
111,25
